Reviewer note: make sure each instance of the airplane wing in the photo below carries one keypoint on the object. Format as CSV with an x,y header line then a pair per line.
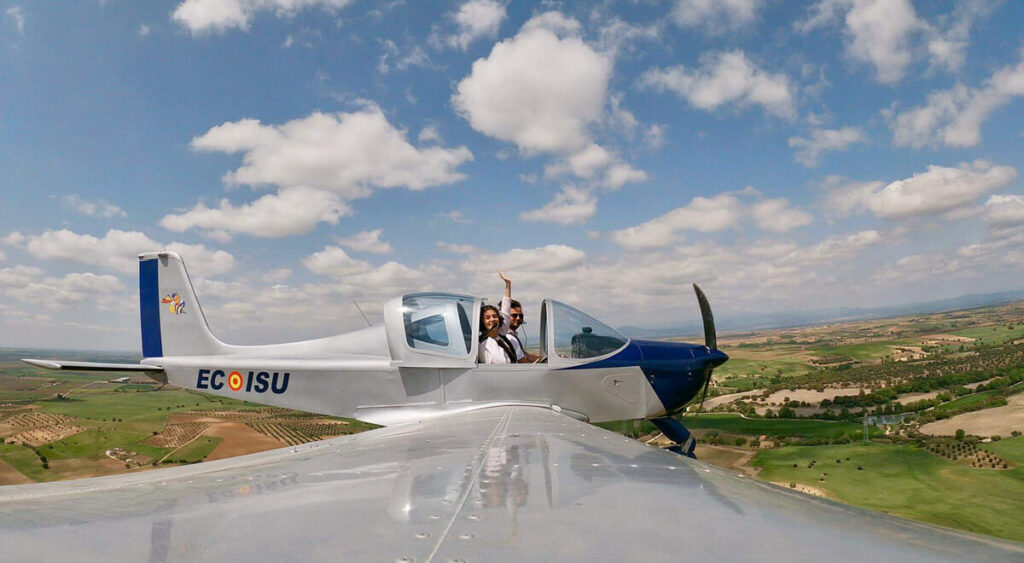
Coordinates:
x,y
504,483
94,366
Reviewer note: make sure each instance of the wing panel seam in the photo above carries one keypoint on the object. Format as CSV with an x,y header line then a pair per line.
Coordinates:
x,y
501,426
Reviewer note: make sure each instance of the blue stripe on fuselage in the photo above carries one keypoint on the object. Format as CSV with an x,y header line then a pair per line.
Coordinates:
x,y
675,370
149,308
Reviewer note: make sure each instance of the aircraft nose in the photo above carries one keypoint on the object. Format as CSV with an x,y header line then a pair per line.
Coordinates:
x,y
718,358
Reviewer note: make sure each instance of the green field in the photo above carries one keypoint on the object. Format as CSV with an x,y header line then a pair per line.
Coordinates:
x,y
196,450
741,367
910,482
991,335
968,401
782,428
863,352
25,460
1008,448
743,384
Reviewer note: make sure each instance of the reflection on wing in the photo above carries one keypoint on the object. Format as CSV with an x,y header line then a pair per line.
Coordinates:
x,y
502,483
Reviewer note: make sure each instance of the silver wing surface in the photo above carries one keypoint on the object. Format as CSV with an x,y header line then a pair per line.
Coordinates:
x,y
505,483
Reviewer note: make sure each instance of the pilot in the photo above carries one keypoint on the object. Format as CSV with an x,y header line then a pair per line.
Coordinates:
x,y
516,319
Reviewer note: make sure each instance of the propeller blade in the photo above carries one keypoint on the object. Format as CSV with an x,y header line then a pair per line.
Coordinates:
x,y
704,393
710,338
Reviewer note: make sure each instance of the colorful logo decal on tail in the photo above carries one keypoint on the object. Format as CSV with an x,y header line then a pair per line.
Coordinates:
x,y
174,303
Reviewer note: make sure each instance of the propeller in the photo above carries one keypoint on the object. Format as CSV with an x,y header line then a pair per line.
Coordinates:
x,y
710,340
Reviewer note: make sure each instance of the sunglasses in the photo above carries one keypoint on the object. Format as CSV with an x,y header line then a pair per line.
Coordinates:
x,y
516,316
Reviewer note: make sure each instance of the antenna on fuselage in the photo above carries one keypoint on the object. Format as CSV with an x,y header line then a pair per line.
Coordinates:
x,y
360,309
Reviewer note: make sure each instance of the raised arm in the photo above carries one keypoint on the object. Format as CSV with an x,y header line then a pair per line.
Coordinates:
x,y
506,305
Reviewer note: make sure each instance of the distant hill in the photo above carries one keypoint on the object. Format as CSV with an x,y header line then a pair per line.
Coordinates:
x,y
787,319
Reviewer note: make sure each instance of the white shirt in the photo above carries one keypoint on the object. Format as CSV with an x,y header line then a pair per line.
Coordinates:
x,y
513,339
490,351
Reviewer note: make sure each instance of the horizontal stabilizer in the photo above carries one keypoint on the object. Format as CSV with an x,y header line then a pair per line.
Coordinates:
x,y
93,366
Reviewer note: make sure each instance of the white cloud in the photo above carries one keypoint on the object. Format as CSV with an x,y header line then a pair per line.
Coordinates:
x,y
621,174
319,163
13,238
938,190
334,262
544,90
837,246
571,206
474,19
878,32
348,153
393,57
715,16
702,214
947,47
200,16
707,215
390,277
550,258
617,35
540,89
725,77
18,276
598,164
654,136
72,288
118,250
923,267
1004,210
277,275
823,140
589,161
429,134
17,17
98,208
455,216
456,248
3,256
143,30
953,117
366,241
289,212
778,216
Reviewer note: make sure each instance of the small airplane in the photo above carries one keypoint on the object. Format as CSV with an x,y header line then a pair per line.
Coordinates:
x,y
475,461
421,363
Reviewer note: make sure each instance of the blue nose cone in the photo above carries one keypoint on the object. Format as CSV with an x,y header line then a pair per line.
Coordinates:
x,y
718,358
676,370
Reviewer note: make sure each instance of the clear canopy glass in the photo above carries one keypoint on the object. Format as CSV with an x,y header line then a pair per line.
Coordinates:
x,y
438,323
578,335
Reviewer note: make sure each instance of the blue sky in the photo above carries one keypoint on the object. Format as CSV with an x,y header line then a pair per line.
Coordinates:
x,y
302,154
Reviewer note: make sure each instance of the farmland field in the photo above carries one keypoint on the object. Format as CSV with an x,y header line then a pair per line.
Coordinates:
x,y
59,425
776,427
906,481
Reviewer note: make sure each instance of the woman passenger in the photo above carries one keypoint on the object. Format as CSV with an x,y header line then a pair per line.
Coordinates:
x,y
494,347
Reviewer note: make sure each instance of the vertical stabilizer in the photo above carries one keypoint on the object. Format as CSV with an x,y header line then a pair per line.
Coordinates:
x,y
172,321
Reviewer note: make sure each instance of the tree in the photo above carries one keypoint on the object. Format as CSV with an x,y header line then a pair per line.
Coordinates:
x,y
960,434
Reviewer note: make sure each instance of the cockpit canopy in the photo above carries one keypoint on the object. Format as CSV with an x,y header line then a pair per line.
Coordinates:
x,y
441,329
438,323
576,335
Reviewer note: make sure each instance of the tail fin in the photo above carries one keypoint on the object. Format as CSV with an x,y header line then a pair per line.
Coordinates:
x,y
172,322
